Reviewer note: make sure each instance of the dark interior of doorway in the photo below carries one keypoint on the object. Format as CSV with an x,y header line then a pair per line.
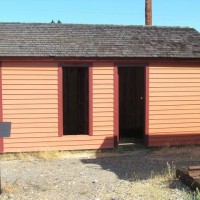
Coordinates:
x,y
75,100
131,102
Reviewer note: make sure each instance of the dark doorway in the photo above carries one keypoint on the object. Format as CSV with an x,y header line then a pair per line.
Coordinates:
x,y
131,102
75,100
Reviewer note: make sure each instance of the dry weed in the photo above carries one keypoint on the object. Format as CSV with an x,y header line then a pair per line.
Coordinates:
x,y
157,187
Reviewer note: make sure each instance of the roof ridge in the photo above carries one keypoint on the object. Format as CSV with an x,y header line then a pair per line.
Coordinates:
x,y
110,25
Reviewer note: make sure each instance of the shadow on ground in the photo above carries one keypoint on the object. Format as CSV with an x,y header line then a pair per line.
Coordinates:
x,y
141,163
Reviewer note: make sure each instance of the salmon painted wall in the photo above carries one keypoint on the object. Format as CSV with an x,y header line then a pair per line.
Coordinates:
x,y
103,99
174,104
30,102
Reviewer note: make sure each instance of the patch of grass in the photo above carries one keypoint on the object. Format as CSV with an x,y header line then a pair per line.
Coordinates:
x,y
25,156
170,172
178,149
47,155
17,156
197,195
157,187
53,155
9,156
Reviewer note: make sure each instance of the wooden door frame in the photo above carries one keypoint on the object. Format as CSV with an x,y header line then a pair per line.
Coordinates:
x,y
60,96
116,99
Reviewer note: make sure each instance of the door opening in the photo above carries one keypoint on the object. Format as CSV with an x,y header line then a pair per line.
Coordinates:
x,y
75,100
131,102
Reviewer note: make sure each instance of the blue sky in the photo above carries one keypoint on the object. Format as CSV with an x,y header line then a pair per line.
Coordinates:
x,y
165,12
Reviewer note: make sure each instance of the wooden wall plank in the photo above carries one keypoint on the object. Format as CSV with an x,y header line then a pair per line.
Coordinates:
x,y
174,121
15,72
64,147
26,92
102,114
175,94
31,125
30,82
27,87
174,80
29,106
103,96
102,82
104,71
167,140
31,97
103,105
176,107
177,98
173,130
29,76
175,76
173,116
103,86
106,100
103,91
174,125
173,103
100,109
175,111
58,143
175,89
36,120
175,85
66,138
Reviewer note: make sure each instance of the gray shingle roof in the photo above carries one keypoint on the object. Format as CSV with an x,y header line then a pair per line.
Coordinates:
x,y
70,40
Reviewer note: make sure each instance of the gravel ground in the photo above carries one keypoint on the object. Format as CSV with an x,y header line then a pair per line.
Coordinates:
x,y
97,178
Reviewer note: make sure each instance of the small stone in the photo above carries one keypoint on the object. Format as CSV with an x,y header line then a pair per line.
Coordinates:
x,y
95,181
10,196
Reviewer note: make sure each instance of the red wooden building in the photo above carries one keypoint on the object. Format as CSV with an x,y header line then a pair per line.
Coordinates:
x,y
67,87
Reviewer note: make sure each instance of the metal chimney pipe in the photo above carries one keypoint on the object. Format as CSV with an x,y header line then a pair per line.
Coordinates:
x,y
148,12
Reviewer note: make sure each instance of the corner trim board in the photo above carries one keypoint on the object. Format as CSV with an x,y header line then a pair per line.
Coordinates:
x,y
1,109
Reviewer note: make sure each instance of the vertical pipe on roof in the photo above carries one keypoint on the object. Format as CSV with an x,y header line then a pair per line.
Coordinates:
x,y
148,12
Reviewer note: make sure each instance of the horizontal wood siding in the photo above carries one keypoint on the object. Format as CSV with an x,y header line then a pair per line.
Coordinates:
x,y
52,142
30,102
103,99
174,104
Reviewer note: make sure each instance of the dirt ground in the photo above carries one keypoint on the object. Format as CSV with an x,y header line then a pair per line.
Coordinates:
x,y
109,176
